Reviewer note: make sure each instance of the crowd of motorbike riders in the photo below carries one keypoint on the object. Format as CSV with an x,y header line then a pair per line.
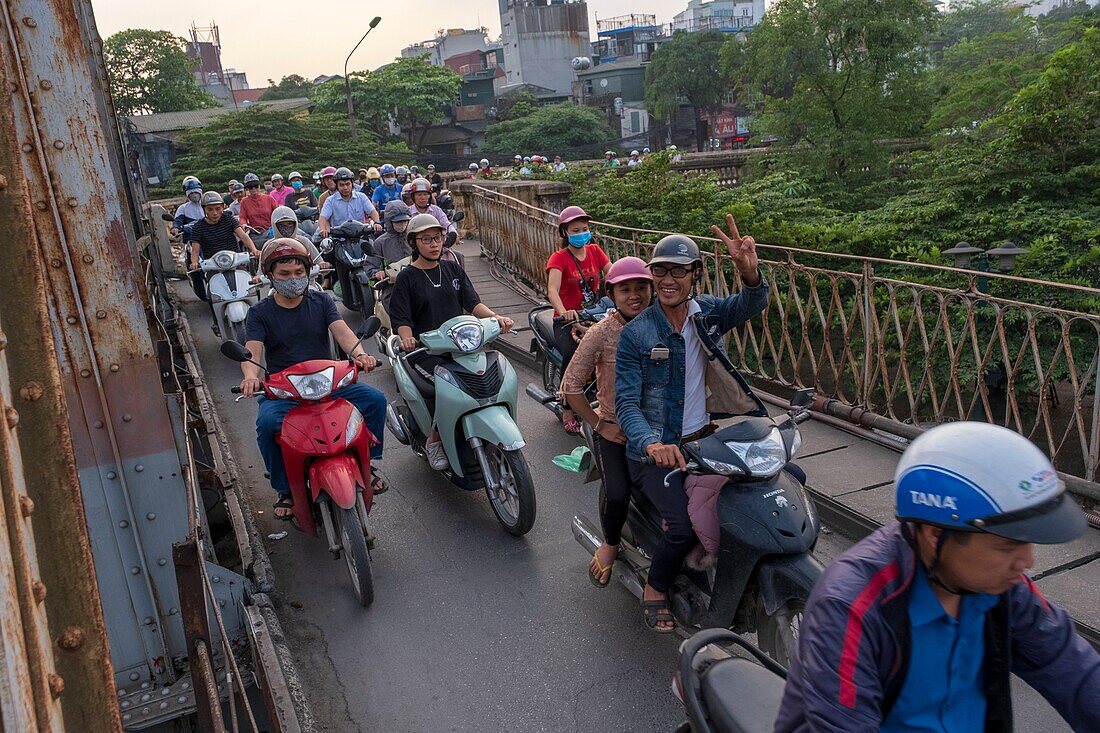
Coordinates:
x,y
915,628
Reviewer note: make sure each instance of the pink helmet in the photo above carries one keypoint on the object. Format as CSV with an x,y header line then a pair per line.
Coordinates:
x,y
328,171
571,213
628,268
406,190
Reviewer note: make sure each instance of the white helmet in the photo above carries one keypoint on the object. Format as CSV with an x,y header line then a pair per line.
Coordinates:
x,y
978,477
633,153
473,166
484,162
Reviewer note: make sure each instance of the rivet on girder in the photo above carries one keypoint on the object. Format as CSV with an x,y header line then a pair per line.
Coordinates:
x,y
27,147
88,259
127,417
11,415
57,685
56,262
30,22
59,145
139,468
85,373
150,516
134,676
101,314
172,611
38,590
114,367
71,202
124,524
162,562
45,84
112,475
41,206
31,391
135,570
221,602
71,638
98,424
71,320
148,620
26,506
217,578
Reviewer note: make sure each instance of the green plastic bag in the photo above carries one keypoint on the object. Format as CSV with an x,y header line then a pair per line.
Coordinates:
x,y
578,461
337,290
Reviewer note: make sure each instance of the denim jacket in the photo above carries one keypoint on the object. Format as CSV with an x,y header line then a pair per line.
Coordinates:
x,y
649,391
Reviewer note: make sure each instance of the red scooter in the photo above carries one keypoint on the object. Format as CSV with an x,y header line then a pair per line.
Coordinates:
x,y
326,450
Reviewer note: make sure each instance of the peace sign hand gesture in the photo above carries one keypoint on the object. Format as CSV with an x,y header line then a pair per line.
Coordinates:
x,y
741,249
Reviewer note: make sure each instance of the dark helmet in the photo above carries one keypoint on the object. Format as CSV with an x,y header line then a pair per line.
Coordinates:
x,y
675,249
342,174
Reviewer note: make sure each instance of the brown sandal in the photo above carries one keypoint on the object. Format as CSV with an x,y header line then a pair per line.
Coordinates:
x,y
656,612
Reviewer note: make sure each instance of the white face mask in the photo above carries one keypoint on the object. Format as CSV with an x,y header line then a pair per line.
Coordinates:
x,y
389,181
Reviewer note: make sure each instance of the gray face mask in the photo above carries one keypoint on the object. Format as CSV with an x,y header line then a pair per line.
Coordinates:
x,y
291,287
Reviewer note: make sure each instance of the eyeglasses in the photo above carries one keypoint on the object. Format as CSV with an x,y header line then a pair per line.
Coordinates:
x,y
678,271
437,239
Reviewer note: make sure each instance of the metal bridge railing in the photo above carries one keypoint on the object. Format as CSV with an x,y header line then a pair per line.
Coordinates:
x,y
918,344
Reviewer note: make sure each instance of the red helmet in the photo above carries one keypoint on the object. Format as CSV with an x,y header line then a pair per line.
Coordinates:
x,y
328,171
571,213
283,248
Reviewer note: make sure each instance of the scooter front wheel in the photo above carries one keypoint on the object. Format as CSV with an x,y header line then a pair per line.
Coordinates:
x,y
237,332
355,554
513,500
778,632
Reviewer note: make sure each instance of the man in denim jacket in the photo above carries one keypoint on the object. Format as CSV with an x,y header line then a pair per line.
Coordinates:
x,y
672,376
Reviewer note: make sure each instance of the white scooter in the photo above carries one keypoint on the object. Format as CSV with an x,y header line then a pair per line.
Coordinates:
x,y
231,292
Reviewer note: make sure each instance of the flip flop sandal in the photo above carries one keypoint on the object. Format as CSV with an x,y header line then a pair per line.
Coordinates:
x,y
284,502
573,427
594,578
377,483
655,612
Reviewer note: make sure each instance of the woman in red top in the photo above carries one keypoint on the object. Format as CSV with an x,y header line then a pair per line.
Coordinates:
x,y
573,276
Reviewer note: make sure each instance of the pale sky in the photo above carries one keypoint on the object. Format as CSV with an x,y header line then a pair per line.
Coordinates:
x,y
269,39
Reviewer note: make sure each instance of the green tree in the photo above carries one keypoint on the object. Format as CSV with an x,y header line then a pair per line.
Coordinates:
x,y
840,75
265,142
410,93
688,66
289,87
151,72
555,127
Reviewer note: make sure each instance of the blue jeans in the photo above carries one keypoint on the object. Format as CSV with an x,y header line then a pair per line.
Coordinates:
x,y
368,400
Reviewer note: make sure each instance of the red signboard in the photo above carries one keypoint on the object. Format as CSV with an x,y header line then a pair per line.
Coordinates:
x,y
728,125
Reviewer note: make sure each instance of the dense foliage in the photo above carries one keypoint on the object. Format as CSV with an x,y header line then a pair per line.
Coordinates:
x,y
289,87
151,72
555,127
265,142
687,66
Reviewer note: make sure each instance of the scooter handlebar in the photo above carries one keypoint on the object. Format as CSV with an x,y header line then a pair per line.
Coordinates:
x,y
235,390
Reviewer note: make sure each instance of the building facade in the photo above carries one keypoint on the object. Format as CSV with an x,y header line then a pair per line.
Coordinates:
x,y
540,39
729,16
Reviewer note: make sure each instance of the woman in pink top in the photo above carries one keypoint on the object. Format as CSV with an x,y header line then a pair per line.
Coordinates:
x,y
630,284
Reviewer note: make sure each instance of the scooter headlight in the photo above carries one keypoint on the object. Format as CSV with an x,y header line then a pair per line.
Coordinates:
x,y
281,393
467,336
224,260
346,380
764,457
726,469
446,376
796,443
355,426
315,386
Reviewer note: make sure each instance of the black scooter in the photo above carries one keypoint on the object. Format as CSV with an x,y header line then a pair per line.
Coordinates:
x,y
545,348
724,692
350,246
765,568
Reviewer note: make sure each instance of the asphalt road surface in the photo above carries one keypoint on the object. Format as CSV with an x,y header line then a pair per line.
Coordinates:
x,y
471,629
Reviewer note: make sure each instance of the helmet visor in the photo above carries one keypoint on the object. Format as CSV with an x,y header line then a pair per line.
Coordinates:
x,y
1050,523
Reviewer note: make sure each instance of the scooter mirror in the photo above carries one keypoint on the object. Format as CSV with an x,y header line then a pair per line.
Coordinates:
x,y
459,216
236,352
452,237
803,398
369,327
167,217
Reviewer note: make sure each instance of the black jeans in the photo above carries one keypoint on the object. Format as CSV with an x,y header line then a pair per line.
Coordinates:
x,y
615,498
678,537
563,339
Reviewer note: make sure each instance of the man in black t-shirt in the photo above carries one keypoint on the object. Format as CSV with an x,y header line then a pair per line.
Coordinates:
x,y
426,294
217,230
300,195
291,326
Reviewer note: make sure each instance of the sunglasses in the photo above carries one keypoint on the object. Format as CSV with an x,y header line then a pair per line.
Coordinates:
x,y
251,186
677,271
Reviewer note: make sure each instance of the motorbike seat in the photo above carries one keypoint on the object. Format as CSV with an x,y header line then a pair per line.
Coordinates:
x,y
544,325
741,696
425,387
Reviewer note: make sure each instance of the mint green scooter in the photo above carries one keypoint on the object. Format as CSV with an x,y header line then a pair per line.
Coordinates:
x,y
475,411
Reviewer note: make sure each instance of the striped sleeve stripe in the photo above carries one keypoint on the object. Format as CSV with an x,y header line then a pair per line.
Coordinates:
x,y
850,653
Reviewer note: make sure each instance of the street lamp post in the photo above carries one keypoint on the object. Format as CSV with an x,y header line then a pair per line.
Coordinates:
x,y
347,82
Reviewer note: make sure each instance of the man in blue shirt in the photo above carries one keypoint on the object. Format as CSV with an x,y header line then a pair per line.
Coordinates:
x,y
917,628
346,204
389,190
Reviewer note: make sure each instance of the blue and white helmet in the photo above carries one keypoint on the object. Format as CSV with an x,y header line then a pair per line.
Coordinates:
x,y
190,183
977,477
387,170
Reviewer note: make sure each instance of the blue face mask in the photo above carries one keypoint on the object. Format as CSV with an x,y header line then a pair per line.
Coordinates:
x,y
296,185
580,239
